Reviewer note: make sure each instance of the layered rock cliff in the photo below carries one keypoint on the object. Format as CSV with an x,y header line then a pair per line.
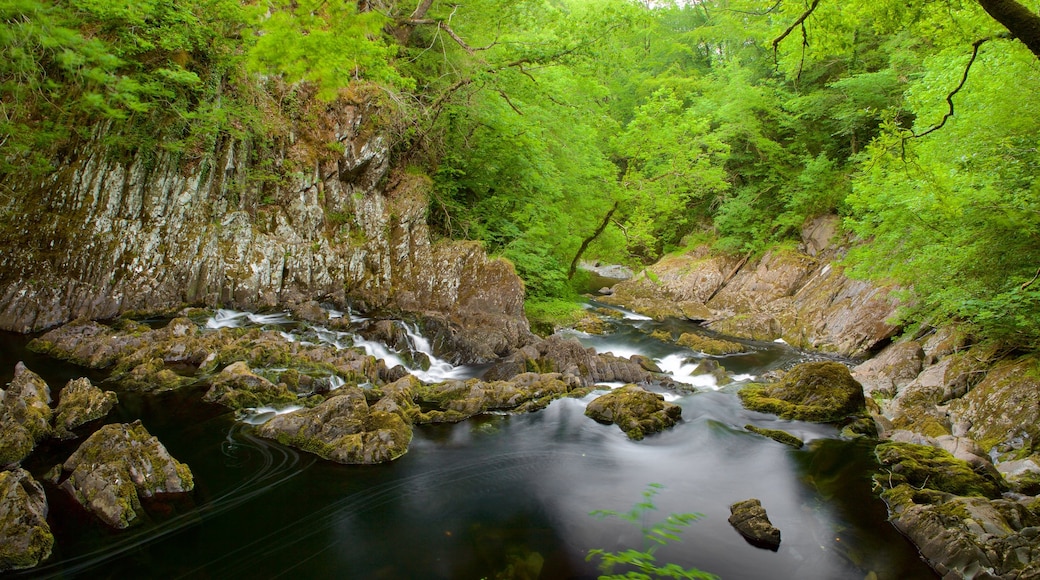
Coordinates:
x,y
100,237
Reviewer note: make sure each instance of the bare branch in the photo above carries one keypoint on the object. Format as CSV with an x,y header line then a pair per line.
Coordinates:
x,y
808,12
964,79
510,102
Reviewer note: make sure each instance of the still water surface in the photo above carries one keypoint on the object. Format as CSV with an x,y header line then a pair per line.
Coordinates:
x,y
489,495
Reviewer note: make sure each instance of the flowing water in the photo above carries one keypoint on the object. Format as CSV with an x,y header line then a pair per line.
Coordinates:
x,y
500,495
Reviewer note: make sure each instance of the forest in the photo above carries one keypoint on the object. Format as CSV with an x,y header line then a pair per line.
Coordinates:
x,y
612,130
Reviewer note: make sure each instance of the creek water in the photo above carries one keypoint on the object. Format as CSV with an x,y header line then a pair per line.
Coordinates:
x,y
497,496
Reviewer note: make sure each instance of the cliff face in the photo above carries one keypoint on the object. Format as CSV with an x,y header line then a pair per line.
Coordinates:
x,y
794,295
99,238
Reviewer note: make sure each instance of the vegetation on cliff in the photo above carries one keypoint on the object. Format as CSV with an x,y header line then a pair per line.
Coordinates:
x,y
617,130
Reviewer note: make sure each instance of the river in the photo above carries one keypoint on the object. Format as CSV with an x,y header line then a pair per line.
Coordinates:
x,y
501,495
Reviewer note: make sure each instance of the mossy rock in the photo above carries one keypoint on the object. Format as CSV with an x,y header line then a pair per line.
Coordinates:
x,y
25,538
238,387
707,345
926,467
636,411
80,403
777,435
25,415
822,392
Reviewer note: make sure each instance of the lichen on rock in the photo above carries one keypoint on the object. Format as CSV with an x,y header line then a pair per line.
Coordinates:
x,y
25,537
80,402
25,415
636,411
117,466
823,392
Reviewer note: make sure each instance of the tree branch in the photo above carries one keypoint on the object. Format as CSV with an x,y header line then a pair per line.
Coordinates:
x,y
585,243
964,79
1021,22
808,12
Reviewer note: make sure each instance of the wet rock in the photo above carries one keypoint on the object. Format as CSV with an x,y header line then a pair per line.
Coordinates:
x,y
458,400
894,368
343,429
777,435
712,367
25,537
25,415
558,354
636,411
116,467
823,392
80,402
237,387
311,311
87,343
1023,475
708,345
749,518
922,466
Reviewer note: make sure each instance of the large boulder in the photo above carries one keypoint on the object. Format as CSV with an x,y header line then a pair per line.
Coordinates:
x,y
636,411
823,392
1002,412
116,467
344,429
80,402
750,519
25,415
25,537
458,400
894,368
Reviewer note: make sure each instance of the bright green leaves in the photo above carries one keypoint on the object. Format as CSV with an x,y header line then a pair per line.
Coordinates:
x,y
326,43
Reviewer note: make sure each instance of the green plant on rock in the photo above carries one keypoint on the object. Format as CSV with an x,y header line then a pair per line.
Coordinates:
x,y
643,563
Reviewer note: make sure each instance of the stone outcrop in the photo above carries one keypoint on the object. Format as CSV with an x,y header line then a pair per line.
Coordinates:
x,y
80,402
559,354
25,415
116,467
796,295
25,537
238,387
749,518
151,235
636,411
823,392
458,400
343,429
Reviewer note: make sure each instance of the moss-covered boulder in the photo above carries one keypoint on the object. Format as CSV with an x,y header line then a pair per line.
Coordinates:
x,y
343,429
25,537
777,435
80,402
927,467
567,356
25,415
749,518
88,343
708,345
116,467
712,367
636,411
457,400
822,392
238,387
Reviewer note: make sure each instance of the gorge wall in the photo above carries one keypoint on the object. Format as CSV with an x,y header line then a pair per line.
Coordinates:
x,y
100,237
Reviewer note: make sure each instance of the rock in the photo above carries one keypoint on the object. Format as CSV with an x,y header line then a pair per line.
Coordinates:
x,y
823,392
458,400
1003,410
1023,475
116,467
343,429
707,345
818,233
894,368
777,435
712,367
25,415
559,354
925,467
636,411
749,518
239,387
86,343
80,402
25,537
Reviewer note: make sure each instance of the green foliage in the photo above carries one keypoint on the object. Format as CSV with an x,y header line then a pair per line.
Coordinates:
x,y
643,563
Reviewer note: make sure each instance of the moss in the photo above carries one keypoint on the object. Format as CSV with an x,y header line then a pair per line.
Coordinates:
x,y
777,435
819,392
712,346
662,335
925,467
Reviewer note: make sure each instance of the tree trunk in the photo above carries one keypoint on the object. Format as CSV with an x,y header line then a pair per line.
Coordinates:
x,y
1021,22
590,239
